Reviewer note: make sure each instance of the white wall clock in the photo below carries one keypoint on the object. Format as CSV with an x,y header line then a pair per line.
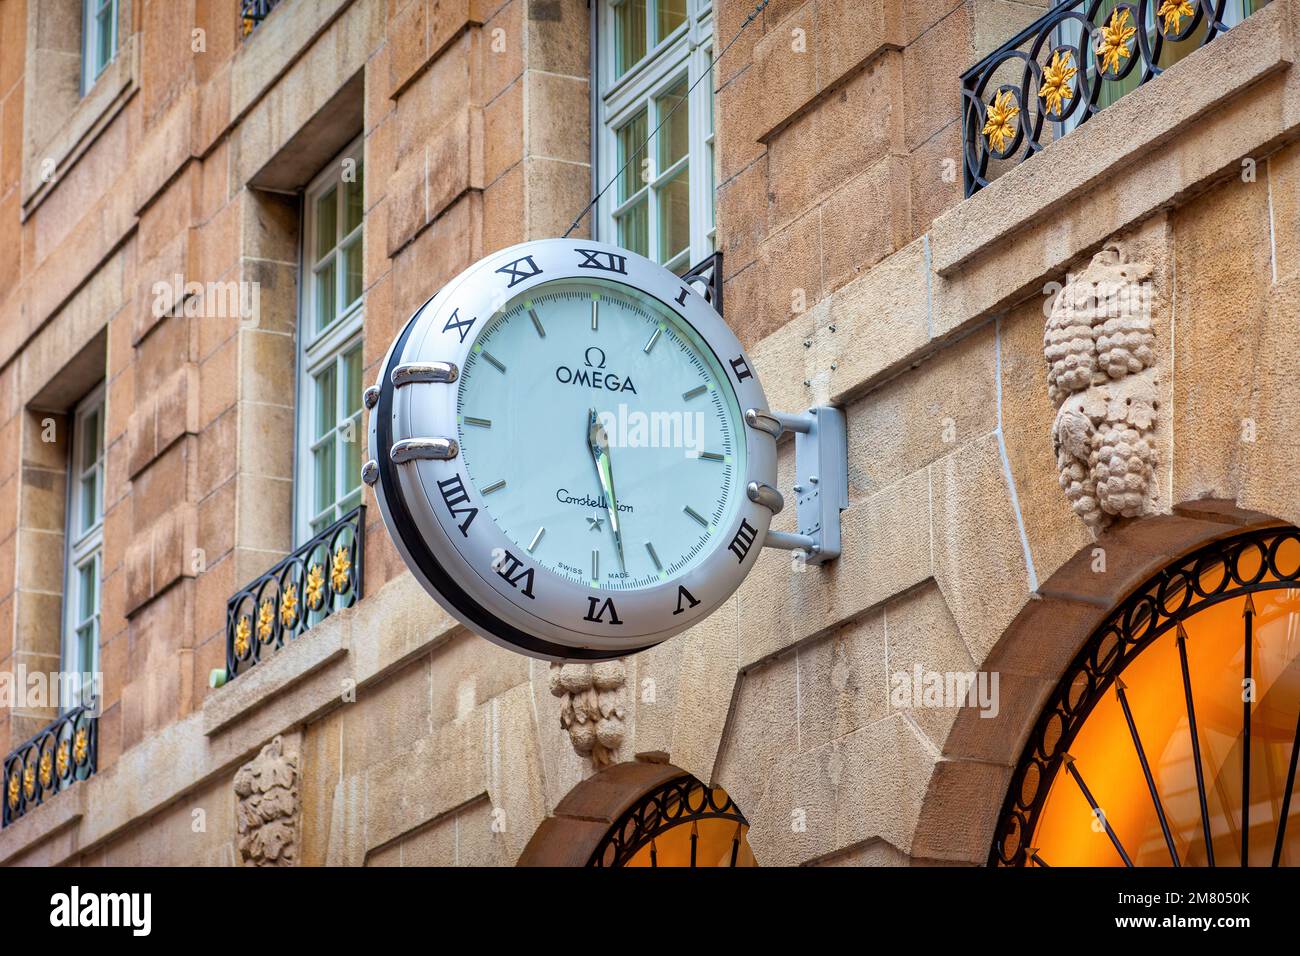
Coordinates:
x,y
561,452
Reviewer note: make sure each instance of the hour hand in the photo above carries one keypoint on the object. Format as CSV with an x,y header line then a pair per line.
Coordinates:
x,y
598,442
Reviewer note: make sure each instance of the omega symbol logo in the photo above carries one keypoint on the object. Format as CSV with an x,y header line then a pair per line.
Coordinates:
x,y
592,374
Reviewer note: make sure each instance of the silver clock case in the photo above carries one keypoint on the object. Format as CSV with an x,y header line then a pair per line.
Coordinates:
x,y
459,566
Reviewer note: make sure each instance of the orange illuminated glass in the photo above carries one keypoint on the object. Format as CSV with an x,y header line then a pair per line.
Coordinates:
x,y
680,824
1069,832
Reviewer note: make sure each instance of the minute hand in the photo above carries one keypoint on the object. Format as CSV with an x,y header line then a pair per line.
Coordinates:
x,y
598,441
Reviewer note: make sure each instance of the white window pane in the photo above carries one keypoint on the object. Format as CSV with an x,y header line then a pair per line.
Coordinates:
x,y
707,86
353,201
326,409
327,222
672,14
323,465
104,28
634,228
90,498
86,575
352,273
353,384
629,35
87,651
708,155
632,156
326,304
351,438
675,216
350,433
674,135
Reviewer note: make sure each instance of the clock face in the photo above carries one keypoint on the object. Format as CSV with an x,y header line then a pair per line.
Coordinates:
x,y
561,450
637,505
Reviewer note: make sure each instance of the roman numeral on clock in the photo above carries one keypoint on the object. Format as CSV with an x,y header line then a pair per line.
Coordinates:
x,y
604,261
596,611
681,297
743,541
741,369
509,568
462,326
457,499
519,270
683,593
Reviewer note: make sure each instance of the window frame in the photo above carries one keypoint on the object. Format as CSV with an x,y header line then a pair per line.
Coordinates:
x,y
619,100
91,68
318,349
82,548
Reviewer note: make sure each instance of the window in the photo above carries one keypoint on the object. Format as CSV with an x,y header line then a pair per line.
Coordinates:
x,y
652,54
98,39
329,336
84,541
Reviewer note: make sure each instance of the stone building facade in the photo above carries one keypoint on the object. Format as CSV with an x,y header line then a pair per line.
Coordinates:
x,y
991,528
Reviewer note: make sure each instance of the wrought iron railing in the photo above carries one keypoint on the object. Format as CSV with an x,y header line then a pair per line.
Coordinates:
x,y
706,277
1069,64
61,754
253,12
321,577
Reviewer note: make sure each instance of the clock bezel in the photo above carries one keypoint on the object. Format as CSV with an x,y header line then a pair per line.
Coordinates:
x,y
456,567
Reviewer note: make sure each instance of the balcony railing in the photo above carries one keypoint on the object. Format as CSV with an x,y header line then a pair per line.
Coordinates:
x,y
321,577
1071,63
253,12
52,761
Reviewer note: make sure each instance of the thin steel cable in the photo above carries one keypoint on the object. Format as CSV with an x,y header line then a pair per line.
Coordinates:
x,y
759,7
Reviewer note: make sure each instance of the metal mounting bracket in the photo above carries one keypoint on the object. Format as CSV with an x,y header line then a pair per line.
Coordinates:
x,y
821,479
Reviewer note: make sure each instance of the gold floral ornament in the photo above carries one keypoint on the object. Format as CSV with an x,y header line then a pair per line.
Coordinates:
x,y
315,587
1172,12
29,781
47,768
1001,126
1114,43
265,619
1056,89
81,745
339,570
61,758
243,631
289,606
13,791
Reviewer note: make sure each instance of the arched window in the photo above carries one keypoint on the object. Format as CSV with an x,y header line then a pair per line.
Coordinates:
x,y
679,823
1172,738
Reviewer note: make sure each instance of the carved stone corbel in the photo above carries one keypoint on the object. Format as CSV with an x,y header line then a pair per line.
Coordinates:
x,y
267,817
592,707
1102,378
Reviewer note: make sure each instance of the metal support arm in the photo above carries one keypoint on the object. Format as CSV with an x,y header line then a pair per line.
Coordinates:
x,y
821,479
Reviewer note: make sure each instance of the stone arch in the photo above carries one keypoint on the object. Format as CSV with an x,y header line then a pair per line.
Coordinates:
x,y
569,835
966,791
